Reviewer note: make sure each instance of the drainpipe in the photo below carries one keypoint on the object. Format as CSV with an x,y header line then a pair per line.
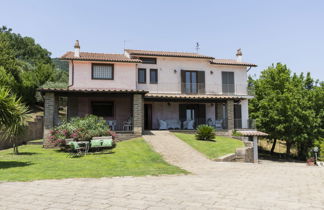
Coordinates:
x,y
72,83
249,68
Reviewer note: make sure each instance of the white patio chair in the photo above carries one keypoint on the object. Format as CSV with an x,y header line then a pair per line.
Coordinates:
x,y
188,124
112,124
127,125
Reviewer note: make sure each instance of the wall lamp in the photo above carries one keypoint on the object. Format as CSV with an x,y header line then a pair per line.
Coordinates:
x,y
175,71
211,72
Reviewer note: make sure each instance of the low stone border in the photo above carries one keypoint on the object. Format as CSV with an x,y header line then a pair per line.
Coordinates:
x,y
244,154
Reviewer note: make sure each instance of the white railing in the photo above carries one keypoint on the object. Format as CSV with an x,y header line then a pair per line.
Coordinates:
x,y
195,88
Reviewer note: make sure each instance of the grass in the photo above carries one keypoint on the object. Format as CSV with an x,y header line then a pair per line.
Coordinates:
x,y
130,158
212,149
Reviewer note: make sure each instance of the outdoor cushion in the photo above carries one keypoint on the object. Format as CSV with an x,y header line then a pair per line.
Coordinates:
x,y
188,124
218,123
107,143
74,145
96,143
174,124
163,125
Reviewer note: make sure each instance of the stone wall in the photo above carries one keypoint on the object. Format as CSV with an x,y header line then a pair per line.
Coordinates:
x,y
138,114
230,114
34,130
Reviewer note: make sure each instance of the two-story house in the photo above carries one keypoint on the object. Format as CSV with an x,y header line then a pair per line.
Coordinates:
x,y
143,89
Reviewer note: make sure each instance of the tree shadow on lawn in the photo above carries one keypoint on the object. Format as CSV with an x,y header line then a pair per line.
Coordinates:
x,y
12,164
212,140
25,153
277,157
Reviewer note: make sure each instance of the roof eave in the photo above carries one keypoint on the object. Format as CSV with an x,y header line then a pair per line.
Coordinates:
x,y
100,60
233,64
177,56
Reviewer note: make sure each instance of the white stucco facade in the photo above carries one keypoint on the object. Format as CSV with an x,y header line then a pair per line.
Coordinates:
x,y
125,76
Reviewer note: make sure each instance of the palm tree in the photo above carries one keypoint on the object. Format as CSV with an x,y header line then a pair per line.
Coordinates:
x,y
13,114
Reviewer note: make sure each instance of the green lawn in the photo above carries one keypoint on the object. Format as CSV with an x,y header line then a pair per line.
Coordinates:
x,y
130,158
212,149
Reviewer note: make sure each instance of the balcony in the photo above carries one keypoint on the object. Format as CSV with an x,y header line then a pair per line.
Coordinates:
x,y
240,124
195,88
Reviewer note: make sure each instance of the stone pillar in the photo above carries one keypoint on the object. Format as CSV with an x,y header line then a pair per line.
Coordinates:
x,y
230,114
255,149
50,112
245,113
72,107
138,114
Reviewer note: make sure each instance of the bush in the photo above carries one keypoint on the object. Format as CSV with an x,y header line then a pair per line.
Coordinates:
x,y
205,132
80,129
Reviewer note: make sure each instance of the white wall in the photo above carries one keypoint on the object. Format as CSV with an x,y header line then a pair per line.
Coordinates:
x,y
169,81
124,76
245,112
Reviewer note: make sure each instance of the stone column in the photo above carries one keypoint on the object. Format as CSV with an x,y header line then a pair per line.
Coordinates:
x,y
138,114
255,149
230,114
50,112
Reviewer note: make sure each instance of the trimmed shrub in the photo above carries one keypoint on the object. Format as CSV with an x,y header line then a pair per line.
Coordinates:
x,y
80,129
205,132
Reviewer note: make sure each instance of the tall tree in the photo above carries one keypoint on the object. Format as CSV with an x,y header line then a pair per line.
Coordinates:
x,y
287,107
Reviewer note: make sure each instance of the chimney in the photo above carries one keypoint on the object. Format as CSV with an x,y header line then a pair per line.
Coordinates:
x,y
239,55
77,49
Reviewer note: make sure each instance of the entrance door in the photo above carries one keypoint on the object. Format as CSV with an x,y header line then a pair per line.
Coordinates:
x,y
147,116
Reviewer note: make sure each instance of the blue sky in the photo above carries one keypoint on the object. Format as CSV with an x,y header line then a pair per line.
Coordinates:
x,y
287,31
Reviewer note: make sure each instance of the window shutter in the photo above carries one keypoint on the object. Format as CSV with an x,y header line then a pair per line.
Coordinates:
x,y
183,81
201,82
201,114
182,112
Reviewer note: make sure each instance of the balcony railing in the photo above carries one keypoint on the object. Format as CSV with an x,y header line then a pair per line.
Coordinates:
x,y
244,124
195,88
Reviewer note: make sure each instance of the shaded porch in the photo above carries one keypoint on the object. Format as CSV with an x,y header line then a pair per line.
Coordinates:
x,y
222,112
122,109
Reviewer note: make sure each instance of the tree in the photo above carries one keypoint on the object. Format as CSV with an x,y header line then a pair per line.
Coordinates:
x,y
29,65
268,105
288,107
13,116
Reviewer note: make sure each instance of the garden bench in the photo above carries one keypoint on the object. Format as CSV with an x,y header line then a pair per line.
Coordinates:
x,y
101,143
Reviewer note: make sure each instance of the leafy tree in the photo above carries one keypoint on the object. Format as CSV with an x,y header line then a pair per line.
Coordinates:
x,y
13,116
288,107
26,65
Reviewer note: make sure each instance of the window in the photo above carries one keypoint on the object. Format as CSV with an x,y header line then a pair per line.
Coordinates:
x,y
141,75
103,71
153,76
146,60
103,108
228,82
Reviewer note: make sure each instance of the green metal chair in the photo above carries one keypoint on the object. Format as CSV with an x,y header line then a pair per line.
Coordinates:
x,y
75,148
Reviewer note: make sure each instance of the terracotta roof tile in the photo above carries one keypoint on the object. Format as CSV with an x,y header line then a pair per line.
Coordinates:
x,y
90,90
87,56
167,54
231,62
252,133
183,96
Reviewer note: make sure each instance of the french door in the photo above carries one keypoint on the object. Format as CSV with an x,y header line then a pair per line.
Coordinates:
x,y
191,82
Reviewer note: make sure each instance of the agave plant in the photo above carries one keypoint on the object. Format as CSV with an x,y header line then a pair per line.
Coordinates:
x,y
13,114
205,132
